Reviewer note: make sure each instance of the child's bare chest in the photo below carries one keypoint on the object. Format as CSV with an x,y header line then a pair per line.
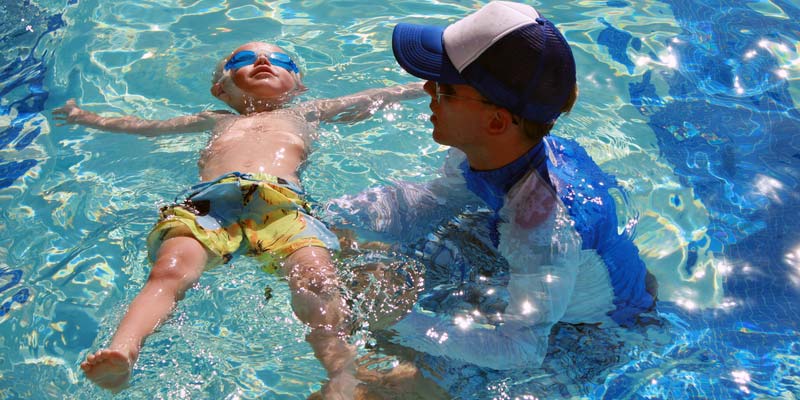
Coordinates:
x,y
271,129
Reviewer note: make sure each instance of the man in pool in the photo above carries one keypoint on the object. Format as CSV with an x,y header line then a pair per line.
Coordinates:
x,y
250,201
498,80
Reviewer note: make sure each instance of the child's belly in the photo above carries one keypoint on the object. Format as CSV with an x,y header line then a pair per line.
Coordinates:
x,y
277,155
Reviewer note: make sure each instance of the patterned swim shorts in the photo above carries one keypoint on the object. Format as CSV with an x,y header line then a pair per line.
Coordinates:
x,y
264,215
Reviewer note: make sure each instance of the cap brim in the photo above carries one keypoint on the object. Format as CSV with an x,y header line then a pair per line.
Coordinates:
x,y
420,51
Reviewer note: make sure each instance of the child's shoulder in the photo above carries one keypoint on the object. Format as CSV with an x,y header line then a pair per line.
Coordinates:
x,y
216,116
217,113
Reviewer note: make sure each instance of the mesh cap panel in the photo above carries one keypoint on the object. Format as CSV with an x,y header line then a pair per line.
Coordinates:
x,y
530,71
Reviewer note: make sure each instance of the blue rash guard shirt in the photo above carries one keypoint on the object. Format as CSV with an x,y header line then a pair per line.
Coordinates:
x,y
552,226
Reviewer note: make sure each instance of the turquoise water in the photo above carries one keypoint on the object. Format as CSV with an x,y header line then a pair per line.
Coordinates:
x,y
690,104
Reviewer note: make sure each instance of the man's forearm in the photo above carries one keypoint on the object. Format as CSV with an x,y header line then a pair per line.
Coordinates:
x,y
483,346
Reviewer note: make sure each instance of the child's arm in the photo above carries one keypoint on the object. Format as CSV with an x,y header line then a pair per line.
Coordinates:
x,y
361,105
70,113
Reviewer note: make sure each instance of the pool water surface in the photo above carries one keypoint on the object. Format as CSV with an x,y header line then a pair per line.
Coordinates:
x,y
690,104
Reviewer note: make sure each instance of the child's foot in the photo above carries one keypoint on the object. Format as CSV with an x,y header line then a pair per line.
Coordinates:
x,y
109,369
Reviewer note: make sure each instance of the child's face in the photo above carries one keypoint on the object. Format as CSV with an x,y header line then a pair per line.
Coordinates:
x,y
261,71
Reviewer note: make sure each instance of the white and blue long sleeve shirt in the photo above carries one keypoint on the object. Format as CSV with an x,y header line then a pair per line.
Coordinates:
x,y
550,225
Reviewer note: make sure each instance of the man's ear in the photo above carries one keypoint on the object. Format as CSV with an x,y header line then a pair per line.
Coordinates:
x,y
501,119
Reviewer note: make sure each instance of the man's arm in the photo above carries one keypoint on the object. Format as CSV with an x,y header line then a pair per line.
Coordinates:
x,y
544,255
402,212
70,113
361,105
536,302
399,212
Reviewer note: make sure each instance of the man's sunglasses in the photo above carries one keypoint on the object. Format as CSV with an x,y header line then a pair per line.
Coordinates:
x,y
440,88
249,57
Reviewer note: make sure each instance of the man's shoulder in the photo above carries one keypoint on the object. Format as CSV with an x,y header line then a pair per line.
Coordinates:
x,y
584,188
574,168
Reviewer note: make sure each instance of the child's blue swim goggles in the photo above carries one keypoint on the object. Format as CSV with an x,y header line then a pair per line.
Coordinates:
x,y
248,57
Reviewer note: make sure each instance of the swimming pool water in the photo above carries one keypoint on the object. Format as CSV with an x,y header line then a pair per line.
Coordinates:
x,y
690,104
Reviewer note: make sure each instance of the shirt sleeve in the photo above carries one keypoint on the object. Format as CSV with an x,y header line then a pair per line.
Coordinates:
x,y
543,252
402,211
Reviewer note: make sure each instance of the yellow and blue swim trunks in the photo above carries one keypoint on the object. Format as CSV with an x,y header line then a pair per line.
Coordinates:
x,y
265,216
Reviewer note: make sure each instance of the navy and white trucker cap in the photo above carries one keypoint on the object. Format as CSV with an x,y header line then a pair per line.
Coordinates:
x,y
507,51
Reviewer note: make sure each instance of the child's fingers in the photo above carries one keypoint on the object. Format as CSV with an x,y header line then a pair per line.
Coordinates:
x,y
68,106
62,119
61,112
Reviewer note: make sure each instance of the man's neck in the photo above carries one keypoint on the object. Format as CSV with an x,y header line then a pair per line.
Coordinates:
x,y
497,155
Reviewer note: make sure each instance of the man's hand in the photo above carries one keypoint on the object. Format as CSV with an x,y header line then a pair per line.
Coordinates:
x,y
350,245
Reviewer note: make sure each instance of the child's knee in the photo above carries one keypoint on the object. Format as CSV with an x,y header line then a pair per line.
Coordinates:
x,y
179,259
311,269
318,281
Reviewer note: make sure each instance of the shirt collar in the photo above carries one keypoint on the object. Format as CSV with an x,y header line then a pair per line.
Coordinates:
x,y
492,185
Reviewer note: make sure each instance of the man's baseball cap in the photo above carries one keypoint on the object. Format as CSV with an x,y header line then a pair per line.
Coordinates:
x,y
507,51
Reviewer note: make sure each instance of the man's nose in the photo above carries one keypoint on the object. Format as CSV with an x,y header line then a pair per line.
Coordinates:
x,y
430,88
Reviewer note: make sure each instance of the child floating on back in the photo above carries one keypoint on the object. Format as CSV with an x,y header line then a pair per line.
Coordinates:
x,y
251,199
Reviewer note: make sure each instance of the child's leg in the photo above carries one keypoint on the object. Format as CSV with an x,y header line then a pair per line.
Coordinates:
x,y
178,266
316,300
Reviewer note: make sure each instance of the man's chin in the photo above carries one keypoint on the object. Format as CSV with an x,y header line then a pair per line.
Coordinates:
x,y
438,138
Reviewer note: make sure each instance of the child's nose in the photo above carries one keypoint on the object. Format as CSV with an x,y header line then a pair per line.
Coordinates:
x,y
262,59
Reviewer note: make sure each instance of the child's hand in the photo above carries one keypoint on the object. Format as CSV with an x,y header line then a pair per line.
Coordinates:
x,y
69,113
